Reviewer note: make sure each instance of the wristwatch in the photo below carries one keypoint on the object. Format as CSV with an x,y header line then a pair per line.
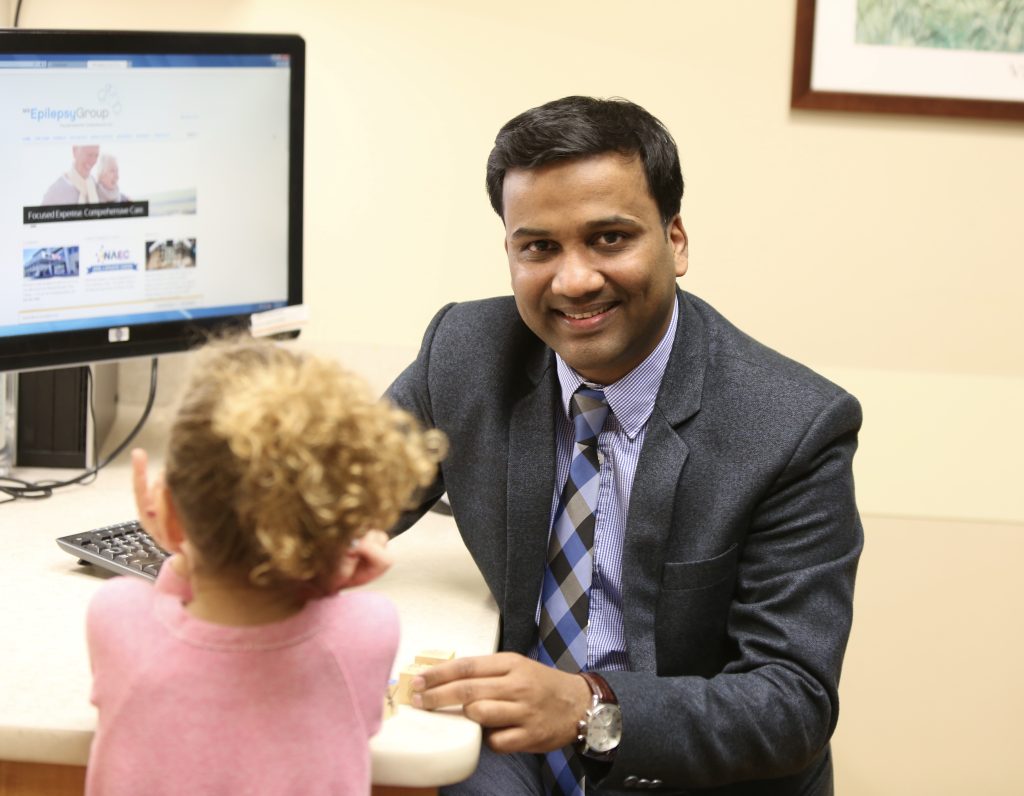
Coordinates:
x,y
598,733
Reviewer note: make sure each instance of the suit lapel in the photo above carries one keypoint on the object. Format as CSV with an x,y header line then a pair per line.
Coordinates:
x,y
683,384
652,500
531,467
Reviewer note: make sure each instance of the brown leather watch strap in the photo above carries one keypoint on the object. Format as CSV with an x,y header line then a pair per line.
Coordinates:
x,y
599,687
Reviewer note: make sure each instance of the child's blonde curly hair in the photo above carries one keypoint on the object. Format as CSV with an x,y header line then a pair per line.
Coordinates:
x,y
277,460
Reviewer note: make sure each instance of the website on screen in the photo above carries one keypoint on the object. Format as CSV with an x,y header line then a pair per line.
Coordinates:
x,y
141,188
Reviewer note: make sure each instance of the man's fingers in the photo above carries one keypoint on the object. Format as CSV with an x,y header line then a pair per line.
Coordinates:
x,y
523,705
509,739
457,692
495,713
468,668
502,676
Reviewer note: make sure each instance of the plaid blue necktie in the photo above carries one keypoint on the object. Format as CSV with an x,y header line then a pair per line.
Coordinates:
x,y
565,593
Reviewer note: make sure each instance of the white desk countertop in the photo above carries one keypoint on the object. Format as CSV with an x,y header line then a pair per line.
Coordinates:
x,y
45,714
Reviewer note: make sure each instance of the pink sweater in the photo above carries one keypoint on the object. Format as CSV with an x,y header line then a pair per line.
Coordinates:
x,y
186,706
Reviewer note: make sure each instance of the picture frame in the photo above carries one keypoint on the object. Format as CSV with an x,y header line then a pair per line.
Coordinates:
x,y
833,71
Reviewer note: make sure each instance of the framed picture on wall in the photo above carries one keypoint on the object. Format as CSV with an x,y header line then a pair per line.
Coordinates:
x,y
933,57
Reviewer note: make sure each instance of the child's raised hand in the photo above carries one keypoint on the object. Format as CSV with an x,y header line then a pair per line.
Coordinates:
x,y
368,558
151,502
148,495
155,516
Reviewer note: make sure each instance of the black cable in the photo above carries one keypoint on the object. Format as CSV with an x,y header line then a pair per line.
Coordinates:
x,y
39,490
17,13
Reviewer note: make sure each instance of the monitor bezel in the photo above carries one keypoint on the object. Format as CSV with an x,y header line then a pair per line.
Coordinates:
x,y
82,346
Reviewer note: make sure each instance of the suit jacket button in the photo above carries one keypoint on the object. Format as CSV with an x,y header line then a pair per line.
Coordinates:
x,y
656,783
643,783
631,781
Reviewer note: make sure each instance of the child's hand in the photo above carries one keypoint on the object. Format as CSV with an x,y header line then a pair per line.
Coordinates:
x,y
367,559
151,502
148,494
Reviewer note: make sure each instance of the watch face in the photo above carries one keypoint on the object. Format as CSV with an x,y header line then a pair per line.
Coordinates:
x,y
604,729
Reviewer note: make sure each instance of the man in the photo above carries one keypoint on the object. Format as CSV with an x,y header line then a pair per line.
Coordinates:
x,y
699,566
77,185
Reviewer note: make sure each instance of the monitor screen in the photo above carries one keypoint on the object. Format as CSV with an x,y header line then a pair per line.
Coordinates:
x,y
150,188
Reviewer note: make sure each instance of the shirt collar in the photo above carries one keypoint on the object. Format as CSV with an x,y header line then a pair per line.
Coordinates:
x,y
631,398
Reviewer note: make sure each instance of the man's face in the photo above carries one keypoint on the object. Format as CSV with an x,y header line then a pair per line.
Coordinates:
x,y
85,158
593,271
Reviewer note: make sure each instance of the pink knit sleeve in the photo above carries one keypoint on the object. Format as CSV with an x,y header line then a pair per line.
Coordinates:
x,y
111,614
375,644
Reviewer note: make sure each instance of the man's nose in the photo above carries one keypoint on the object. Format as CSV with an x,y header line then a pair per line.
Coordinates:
x,y
576,275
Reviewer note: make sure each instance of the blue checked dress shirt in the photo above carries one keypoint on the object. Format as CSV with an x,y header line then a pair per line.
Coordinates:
x,y
631,400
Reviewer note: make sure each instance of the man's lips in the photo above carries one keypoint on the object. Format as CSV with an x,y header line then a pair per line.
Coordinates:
x,y
585,313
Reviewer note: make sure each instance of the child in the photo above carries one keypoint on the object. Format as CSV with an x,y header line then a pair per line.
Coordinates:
x,y
244,670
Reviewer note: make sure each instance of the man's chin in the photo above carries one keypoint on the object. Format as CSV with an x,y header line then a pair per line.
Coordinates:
x,y
591,365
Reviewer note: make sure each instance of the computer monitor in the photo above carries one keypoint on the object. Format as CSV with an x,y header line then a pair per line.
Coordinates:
x,y
150,189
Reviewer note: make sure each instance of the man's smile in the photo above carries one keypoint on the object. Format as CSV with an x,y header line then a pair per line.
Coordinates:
x,y
586,314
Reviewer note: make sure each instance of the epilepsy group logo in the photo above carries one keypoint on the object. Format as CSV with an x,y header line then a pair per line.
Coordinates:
x,y
108,96
106,107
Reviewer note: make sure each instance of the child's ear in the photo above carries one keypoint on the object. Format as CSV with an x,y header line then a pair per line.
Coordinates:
x,y
168,531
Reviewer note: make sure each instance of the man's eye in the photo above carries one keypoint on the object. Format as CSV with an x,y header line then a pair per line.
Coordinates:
x,y
610,238
540,246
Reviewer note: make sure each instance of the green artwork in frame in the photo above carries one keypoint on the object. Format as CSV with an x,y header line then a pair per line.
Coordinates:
x,y
980,25
962,58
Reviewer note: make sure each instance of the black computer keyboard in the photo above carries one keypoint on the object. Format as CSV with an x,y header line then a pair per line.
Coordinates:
x,y
124,549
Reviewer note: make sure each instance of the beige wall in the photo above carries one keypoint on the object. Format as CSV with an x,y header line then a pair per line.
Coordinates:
x,y
885,251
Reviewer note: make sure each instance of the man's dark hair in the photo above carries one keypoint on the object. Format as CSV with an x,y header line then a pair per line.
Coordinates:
x,y
575,127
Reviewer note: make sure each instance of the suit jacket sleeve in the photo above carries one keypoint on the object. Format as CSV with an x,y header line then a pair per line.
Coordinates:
x,y
410,391
770,709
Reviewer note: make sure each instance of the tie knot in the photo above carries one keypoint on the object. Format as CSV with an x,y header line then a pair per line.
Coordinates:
x,y
588,409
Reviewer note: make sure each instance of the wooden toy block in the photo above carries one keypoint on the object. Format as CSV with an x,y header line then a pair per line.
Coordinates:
x,y
403,693
431,657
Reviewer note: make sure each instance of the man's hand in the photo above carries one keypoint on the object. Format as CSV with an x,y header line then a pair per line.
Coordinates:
x,y
523,706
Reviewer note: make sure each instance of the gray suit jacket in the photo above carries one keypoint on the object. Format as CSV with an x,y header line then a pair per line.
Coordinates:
x,y
741,544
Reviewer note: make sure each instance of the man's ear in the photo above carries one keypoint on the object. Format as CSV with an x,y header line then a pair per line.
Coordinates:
x,y
680,245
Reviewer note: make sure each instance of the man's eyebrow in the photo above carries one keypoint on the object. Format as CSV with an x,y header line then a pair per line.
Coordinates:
x,y
530,232
612,221
597,223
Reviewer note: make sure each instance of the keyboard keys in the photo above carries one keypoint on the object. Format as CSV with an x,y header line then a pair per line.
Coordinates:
x,y
123,548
